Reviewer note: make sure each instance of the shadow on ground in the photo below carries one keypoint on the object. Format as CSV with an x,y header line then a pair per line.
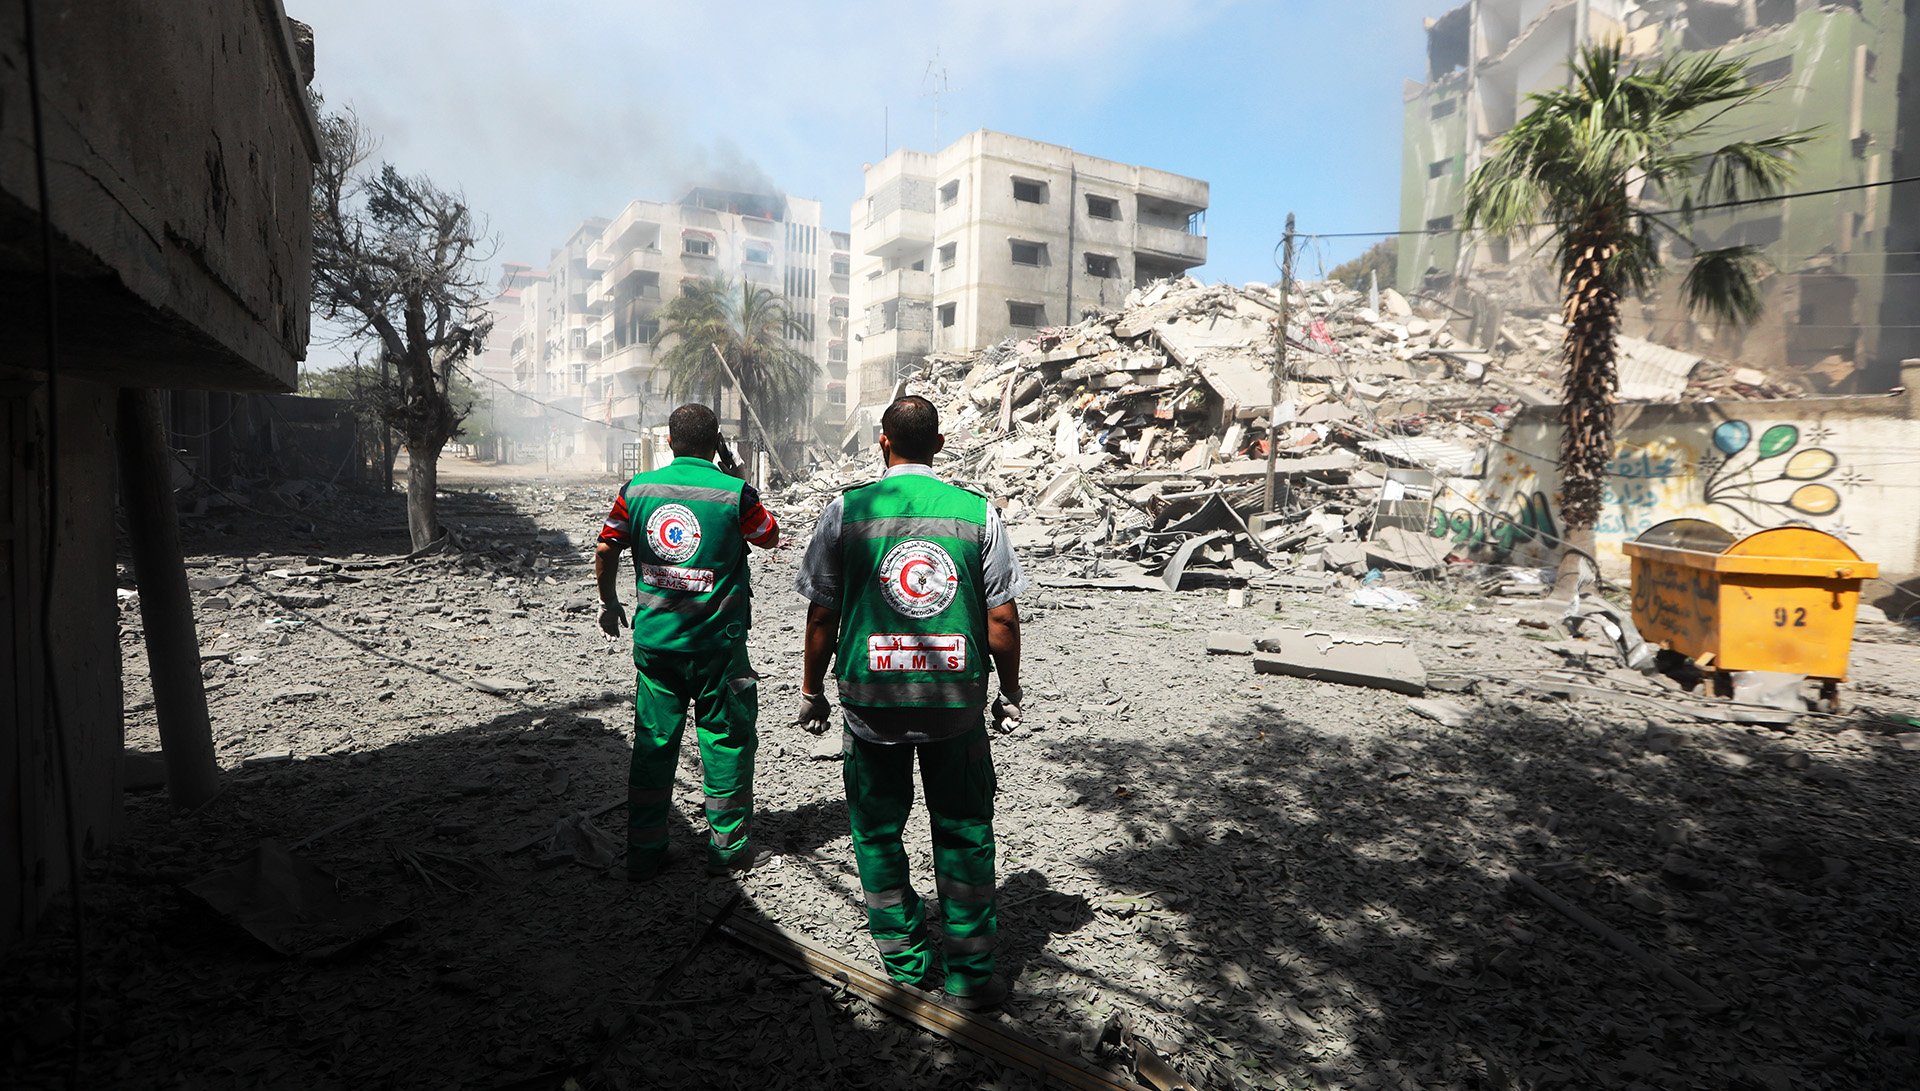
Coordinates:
x,y
1338,915
515,981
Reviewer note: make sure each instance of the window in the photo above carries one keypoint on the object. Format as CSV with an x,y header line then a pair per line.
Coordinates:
x,y
579,374
1770,71
837,309
1103,208
699,248
837,396
1028,315
950,193
1440,223
1439,167
947,311
1103,266
841,240
1030,191
837,352
1444,108
840,267
1029,253
759,253
645,330
919,266
947,254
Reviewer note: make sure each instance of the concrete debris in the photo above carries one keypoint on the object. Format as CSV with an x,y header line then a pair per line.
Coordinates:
x,y
1299,654
1444,713
1137,444
1229,644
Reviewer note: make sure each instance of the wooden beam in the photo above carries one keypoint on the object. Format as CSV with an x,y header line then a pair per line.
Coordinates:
x,y
983,1035
166,608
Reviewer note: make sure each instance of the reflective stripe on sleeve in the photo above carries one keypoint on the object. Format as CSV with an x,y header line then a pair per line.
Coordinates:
x,y
661,491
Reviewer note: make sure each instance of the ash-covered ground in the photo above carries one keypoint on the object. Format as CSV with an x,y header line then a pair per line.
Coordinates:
x,y
1283,883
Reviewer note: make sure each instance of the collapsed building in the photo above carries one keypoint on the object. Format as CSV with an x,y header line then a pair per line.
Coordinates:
x,y
1135,447
1838,306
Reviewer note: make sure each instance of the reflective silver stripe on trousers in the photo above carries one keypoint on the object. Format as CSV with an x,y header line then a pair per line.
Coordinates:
x,y
978,893
685,604
646,835
914,526
970,945
742,798
700,493
887,899
895,946
726,840
962,695
648,795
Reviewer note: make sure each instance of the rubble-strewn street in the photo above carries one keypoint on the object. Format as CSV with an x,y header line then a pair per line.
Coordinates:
x,y
1282,882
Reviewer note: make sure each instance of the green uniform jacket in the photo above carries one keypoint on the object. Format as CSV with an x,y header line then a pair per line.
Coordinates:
x,y
913,623
690,560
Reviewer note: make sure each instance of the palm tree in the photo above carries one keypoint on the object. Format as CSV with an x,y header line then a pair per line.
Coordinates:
x,y
750,328
1573,166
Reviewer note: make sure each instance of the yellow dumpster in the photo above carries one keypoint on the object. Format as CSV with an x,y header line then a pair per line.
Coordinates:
x,y
1776,600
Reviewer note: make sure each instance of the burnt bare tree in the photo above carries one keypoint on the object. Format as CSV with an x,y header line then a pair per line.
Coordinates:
x,y
396,260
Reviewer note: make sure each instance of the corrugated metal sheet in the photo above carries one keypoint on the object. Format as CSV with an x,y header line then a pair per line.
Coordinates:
x,y
1653,373
1436,455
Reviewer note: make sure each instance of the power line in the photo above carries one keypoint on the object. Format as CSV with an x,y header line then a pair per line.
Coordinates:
x,y
548,406
1696,209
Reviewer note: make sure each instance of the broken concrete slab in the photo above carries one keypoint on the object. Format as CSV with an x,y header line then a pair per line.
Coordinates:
x,y
1444,713
1297,654
1400,548
1229,644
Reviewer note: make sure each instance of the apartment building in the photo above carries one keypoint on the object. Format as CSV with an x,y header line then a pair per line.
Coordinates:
x,y
1839,306
997,236
579,335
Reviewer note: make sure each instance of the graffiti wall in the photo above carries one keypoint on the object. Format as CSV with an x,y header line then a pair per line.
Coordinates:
x,y
1849,466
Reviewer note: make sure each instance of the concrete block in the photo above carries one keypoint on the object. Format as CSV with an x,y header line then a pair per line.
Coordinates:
x,y
1294,653
1229,644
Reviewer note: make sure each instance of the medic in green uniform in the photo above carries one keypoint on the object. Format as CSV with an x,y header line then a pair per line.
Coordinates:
x,y
688,525
913,582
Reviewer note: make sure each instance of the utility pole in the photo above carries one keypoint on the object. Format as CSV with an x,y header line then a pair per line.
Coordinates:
x,y
1279,362
765,436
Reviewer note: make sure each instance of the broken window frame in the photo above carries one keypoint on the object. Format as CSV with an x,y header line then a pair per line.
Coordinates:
x,y
1103,266
694,247
1039,251
1035,313
1034,186
947,314
950,194
1095,202
757,253
949,255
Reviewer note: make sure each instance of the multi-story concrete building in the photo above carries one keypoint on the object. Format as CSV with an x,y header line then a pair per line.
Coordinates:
x,y
1839,307
997,236
580,336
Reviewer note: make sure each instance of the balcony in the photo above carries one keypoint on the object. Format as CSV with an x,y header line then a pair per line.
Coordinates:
x,y
903,282
899,233
896,342
1170,244
637,357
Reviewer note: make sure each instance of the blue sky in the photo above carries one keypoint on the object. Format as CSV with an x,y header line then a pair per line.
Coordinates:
x,y
545,113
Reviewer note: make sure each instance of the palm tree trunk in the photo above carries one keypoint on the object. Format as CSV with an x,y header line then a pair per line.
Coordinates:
x,y
1586,417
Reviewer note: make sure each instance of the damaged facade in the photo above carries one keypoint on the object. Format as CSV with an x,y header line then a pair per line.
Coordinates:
x,y
1838,308
179,176
576,340
997,236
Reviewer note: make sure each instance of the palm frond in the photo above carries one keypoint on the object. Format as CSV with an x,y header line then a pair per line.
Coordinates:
x,y
1725,284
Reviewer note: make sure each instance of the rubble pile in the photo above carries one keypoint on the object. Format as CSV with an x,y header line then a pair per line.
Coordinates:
x,y
1135,445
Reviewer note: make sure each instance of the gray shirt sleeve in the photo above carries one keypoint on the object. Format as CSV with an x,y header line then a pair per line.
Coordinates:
x,y
819,579
1000,569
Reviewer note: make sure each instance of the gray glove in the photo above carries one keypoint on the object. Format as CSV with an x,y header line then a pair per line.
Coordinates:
x,y
1006,708
613,618
812,713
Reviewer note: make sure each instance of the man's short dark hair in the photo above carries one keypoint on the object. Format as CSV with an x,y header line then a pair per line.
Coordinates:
x,y
693,431
912,426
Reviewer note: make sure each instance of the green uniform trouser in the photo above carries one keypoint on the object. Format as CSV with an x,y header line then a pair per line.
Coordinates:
x,y
957,775
726,701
